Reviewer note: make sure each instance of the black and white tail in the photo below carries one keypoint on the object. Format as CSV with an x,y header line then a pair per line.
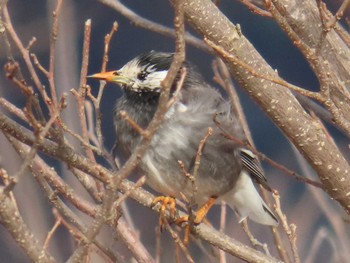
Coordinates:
x,y
245,199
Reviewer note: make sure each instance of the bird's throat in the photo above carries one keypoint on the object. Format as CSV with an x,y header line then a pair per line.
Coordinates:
x,y
140,109
139,106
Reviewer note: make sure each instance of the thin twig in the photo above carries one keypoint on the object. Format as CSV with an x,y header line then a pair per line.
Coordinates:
x,y
80,98
97,101
139,21
40,135
331,23
222,228
281,249
289,229
88,184
11,70
4,36
95,188
27,60
326,17
39,65
125,116
102,216
139,183
253,240
133,243
91,124
108,39
222,76
179,242
322,236
53,38
197,162
13,109
85,54
158,244
31,43
185,172
6,181
79,236
256,9
50,234
314,95
179,85
45,174
80,139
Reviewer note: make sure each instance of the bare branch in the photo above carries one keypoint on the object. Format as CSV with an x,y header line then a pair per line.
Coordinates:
x,y
290,229
253,240
11,219
125,233
222,228
50,234
315,95
339,14
85,56
53,38
256,9
26,57
97,101
139,21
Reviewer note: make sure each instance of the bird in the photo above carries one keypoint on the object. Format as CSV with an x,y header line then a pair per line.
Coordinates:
x,y
227,170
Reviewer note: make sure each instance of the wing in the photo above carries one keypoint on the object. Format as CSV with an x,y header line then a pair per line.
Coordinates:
x,y
252,165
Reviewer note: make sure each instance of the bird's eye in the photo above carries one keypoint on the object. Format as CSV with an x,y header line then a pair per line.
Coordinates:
x,y
142,75
115,73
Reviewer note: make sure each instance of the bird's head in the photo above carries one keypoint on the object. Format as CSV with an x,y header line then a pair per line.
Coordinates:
x,y
142,74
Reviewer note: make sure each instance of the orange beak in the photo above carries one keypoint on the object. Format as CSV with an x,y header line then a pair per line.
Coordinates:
x,y
107,76
111,76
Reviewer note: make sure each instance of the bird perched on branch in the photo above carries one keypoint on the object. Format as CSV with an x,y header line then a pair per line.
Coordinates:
x,y
223,170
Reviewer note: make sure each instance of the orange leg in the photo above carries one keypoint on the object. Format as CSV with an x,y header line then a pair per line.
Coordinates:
x,y
203,211
166,202
200,215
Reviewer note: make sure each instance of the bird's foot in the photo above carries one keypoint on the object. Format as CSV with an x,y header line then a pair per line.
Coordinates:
x,y
200,215
167,202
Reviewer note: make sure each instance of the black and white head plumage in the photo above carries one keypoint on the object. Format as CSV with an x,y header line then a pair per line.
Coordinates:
x,y
147,71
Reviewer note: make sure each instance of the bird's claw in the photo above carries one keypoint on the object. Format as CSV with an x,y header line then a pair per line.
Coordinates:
x,y
200,215
167,202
